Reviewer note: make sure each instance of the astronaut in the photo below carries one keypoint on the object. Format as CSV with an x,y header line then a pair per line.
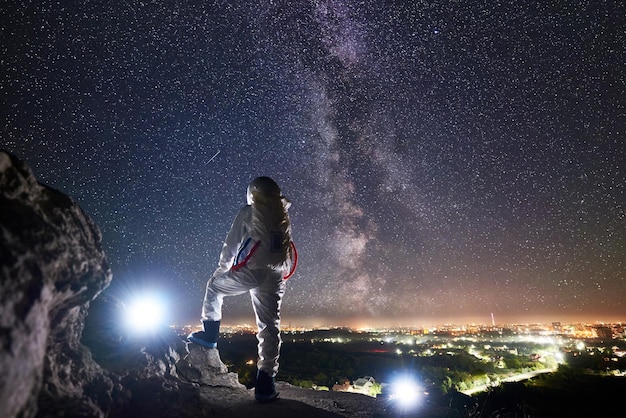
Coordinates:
x,y
258,256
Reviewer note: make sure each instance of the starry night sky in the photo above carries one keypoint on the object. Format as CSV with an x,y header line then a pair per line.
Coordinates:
x,y
446,160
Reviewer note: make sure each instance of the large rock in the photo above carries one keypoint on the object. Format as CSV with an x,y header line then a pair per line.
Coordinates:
x,y
52,265
203,366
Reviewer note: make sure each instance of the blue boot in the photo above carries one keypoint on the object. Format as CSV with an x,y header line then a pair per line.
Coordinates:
x,y
264,389
208,337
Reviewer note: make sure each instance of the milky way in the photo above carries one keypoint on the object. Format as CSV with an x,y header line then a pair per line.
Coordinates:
x,y
445,160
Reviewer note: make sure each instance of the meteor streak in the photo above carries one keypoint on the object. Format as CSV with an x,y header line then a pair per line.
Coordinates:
x,y
213,157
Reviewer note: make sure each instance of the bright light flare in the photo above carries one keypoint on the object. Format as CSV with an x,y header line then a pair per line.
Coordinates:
x,y
145,314
559,357
406,393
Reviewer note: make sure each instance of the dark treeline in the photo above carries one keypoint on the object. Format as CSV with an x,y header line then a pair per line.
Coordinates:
x,y
570,392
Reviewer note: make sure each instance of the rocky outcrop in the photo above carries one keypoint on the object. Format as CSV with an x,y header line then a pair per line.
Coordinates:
x,y
204,367
52,265
156,374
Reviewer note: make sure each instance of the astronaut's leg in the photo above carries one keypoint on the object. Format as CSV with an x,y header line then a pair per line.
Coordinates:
x,y
266,301
231,283
228,284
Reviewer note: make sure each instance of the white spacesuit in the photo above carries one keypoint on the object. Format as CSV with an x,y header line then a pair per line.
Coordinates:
x,y
257,256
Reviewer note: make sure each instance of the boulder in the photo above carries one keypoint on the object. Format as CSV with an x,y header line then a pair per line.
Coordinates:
x,y
203,366
52,265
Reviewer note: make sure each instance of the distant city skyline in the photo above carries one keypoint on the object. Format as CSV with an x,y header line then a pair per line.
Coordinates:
x,y
410,323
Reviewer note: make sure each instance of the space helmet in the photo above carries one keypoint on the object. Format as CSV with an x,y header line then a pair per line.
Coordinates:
x,y
262,185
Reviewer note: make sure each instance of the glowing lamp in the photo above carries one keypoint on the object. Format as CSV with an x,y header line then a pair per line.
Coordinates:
x,y
144,314
406,393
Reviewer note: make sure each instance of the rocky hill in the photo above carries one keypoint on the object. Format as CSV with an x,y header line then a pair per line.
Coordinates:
x,y
62,352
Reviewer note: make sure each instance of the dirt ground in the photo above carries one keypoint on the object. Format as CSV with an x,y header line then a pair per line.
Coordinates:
x,y
296,402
